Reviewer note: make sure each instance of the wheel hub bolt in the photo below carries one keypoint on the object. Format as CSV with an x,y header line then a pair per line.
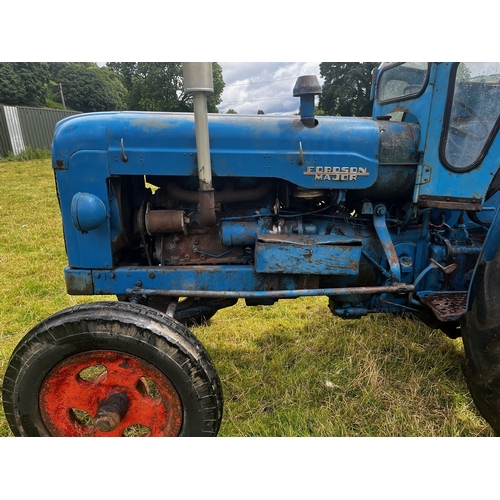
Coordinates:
x,y
111,411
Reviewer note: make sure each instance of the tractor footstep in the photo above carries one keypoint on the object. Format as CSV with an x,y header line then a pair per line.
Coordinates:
x,y
446,306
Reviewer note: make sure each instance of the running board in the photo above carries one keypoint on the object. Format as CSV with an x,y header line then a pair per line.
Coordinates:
x,y
446,306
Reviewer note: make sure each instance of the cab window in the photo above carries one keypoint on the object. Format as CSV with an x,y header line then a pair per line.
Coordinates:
x,y
472,114
401,81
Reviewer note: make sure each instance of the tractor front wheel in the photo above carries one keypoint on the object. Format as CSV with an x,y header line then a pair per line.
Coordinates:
x,y
111,369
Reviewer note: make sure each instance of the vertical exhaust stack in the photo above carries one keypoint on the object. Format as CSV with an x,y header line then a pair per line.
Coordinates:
x,y
198,80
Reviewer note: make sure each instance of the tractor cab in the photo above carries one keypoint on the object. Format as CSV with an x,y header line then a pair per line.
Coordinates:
x,y
457,107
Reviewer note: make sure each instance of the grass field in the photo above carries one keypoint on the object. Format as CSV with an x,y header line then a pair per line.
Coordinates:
x,y
291,369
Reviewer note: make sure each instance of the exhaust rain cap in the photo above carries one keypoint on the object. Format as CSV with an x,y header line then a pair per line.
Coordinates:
x,y
198,77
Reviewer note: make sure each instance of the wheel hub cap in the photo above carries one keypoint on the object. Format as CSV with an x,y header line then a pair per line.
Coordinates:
x,y
108,393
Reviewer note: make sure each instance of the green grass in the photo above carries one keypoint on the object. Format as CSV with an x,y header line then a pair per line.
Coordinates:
x,y
26,155
49,103
291,369
295,370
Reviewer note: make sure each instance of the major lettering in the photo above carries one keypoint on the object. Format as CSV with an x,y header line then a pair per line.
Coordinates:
x,y
336,173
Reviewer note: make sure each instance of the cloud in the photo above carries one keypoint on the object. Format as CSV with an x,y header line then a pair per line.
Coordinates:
x,y
266,86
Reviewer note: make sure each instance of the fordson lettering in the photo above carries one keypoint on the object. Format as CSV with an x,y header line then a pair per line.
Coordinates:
x,y
336,173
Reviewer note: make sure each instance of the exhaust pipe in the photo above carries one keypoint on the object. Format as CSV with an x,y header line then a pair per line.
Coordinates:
x,y
198,80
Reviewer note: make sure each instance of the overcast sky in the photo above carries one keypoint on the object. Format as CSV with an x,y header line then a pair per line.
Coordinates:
x,y
266,86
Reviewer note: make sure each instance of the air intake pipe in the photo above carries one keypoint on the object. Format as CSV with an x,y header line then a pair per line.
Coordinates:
x,y
198,80
306,88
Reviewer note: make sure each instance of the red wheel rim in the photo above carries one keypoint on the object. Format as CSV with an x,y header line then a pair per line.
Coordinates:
x,y
67,393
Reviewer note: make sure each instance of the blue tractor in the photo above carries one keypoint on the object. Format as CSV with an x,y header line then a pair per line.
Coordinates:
x,y
180,215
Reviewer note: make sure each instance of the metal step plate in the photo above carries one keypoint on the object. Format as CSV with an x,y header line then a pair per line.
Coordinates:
x,y
446,306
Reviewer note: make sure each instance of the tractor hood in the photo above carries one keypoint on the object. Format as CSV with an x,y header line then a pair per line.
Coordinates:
x,y
337,153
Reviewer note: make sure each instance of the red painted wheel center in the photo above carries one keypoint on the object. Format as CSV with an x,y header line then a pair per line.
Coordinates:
x,y
77,388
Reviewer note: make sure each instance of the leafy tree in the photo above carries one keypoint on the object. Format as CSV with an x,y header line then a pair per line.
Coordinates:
x,y
215,99
346,89
11,87
231,111
87,87
24,84
158,86
126,70
112,82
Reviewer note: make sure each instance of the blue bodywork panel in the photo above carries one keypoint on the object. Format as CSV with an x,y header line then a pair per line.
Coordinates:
x,y
243,146
88,174
313,254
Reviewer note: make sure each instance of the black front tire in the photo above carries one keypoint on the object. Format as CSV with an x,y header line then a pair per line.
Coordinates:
x,y
140,335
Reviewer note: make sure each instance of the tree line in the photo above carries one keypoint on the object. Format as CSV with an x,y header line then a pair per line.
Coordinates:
x,y
87,87
157,86
346,88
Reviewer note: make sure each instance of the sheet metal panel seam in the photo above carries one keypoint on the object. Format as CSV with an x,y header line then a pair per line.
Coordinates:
x,y
5,143
14,128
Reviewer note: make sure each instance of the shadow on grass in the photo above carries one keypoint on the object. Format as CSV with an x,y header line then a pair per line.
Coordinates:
x,y
299,371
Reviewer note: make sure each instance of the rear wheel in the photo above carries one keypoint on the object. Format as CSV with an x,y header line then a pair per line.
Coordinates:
x,y
481,337
111,369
